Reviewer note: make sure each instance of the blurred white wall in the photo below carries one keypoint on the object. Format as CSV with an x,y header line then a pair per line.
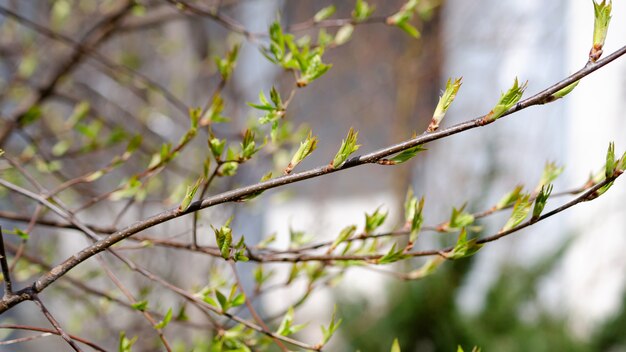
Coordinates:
x,y
489,42
593,274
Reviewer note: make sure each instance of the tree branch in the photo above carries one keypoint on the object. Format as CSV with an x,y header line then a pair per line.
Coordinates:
x,y
6,273
55,323
50,331
238,194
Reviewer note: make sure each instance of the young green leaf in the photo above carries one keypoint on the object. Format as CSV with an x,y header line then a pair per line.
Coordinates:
x,y
275,97
459,219
610,167
238,300
265,104
348,146
464,247
133,144
327,332
217,147
240,250
298,238
276,52
564,91
428,268
222,300
507,101
267,241
129,188
81,110
126,344
611,164
324,13
509,198
413,215
166,320
274,110
229,168
286,328
404,155
323,38
33,114
24,236
550,173
343,34
140,305
345,234
602,18
214,113
401,18
395,347
224,239
306,148
251,196
392,255
540,201
182,314
235,299
61,147
362,11
520,211
374,220
445,100
314,69
248,145
226,65
261,276
189,194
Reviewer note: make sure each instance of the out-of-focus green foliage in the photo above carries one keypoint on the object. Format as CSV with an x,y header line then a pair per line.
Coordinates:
x,y
425,315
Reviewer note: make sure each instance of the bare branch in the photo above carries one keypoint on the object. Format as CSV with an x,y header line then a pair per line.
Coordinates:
x,y
55,323
6,274
54,332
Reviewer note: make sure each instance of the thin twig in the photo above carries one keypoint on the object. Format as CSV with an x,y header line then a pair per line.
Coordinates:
x,y
25,339
132,300
442,251
251,309
94,37
6,274
55,323
50,331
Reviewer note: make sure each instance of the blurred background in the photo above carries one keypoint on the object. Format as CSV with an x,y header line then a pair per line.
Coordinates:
x,y
557,286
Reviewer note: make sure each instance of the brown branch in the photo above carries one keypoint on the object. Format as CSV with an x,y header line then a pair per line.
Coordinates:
x,y
55,323
25,339
251,309
588,195
94,37
205,306
334,23
238,194
86,50
30,292
6,274
50,331
223,20
132,300
78,284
